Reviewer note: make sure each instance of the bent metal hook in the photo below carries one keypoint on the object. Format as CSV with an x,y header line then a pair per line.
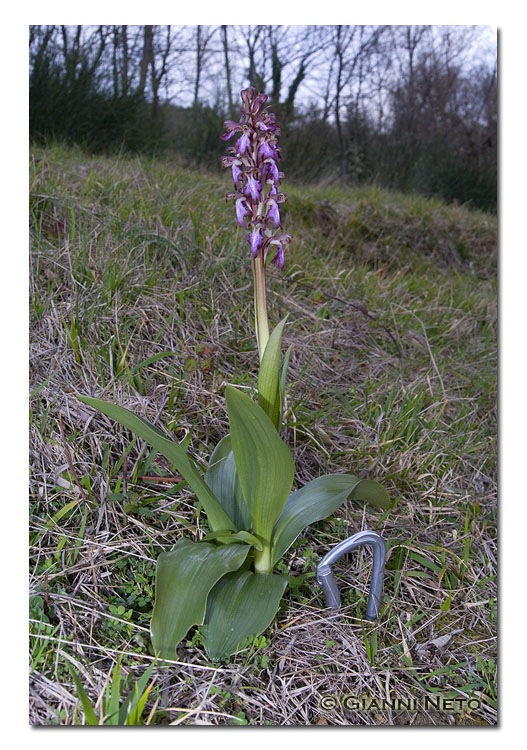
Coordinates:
x,y
327,581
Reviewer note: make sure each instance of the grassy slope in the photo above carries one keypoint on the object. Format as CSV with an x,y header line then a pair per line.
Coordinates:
x,y
141,292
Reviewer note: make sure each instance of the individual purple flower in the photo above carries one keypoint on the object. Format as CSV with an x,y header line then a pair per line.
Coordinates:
x,y
266,151
270,173
270,122
236,172
231,127
241,210
258,103
278,259
253,187
247,97
255,241
251,104
273,215
242,144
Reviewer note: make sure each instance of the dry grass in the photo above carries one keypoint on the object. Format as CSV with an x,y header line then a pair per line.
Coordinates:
x,y
392,308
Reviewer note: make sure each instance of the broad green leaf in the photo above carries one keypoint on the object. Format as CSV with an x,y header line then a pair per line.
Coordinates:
x,y
89,714
318,499
269,376
314,501
371,492
173,451
184,577
222,478
264,463
241,605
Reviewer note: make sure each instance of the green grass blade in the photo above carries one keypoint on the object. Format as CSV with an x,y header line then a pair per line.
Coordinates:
x,y
43,385
138,705
174,452
150,360
184,578
133,706
115,694
89,714
241,605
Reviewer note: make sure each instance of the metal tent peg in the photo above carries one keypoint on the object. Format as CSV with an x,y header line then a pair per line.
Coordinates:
x,y
327,581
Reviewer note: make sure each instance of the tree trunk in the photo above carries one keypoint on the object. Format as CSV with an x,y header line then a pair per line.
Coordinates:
x,y
147,58
115,65
227,70
338,124
198,65
126,62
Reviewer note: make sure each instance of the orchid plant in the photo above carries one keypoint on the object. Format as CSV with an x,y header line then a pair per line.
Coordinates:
x,y
226,582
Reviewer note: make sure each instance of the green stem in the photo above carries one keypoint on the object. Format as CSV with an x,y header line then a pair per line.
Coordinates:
x,y
262,560
260,304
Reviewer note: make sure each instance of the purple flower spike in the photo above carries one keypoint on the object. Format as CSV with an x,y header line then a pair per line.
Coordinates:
x,y
255,241
254,161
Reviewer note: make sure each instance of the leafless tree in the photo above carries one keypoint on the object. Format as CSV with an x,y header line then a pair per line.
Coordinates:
x,y
202,39
349,55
